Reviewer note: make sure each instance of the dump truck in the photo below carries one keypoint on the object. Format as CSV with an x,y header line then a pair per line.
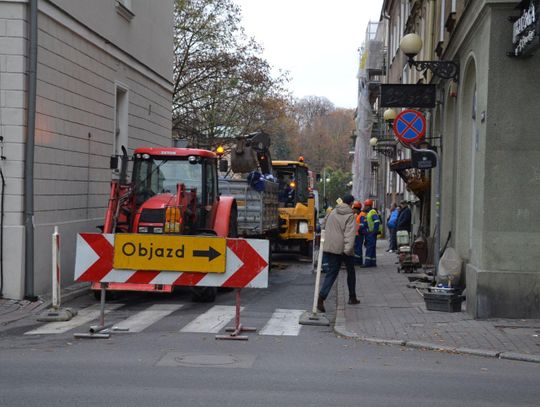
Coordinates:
x,y
171,191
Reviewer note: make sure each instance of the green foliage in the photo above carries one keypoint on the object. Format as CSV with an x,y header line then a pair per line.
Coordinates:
x,y
336,185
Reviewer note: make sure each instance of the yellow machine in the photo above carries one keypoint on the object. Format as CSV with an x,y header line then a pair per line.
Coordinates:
x,y
297,210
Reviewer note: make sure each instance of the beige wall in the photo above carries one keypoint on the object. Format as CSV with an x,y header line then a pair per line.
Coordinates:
x,y
13,29
140,37
77,75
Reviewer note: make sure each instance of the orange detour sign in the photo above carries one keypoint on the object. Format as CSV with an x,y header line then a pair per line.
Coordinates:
x,y
175,253
173,260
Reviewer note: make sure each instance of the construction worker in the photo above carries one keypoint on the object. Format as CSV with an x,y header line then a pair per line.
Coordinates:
x,y
373,224
359,238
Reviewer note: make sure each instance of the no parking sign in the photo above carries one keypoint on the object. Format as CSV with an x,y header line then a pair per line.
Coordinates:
x,y
410,126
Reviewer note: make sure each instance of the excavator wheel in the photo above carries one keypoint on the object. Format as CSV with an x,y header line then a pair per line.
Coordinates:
x,y
203,294
306,249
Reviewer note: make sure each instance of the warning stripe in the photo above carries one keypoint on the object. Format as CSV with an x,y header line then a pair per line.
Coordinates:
x,y
253,264
190,279
245,266
143,277
104,263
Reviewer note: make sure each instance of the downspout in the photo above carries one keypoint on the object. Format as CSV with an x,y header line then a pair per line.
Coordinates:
x,y
29,155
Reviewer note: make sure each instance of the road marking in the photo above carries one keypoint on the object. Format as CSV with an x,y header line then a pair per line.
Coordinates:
x,y
212,321
143,319
284,322
84,316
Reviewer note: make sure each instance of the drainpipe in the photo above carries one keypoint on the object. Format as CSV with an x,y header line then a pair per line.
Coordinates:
x,y
29,156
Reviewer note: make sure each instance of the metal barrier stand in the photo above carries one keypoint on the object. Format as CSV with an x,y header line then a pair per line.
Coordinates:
x,y
101,331
238,328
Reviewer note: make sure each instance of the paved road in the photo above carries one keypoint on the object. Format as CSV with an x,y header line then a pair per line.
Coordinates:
x,y
171,358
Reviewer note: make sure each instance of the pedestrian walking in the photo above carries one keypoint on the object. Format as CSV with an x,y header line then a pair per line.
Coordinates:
x,y
392,228
359,238
340,230
373,225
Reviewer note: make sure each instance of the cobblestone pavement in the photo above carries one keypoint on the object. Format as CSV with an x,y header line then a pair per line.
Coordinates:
x,y
393,313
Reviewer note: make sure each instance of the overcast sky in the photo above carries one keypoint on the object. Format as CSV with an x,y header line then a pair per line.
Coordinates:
x,y
316,41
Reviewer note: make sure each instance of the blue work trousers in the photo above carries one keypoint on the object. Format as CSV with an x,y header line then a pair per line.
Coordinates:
x,y
334,264
393,239
371,249
358,249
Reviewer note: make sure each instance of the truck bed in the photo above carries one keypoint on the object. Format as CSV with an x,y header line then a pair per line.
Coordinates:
x,y
258,214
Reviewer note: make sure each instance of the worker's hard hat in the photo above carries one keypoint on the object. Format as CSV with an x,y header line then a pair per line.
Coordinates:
x,y
368,202
357,205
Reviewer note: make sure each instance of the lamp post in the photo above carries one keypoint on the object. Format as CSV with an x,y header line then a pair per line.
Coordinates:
x,y
411,45
437,242
389,116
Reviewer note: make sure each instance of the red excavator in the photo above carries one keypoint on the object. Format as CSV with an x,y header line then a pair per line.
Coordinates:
x,y
171,191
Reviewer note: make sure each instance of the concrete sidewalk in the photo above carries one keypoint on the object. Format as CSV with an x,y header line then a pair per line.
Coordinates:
x,y
391,313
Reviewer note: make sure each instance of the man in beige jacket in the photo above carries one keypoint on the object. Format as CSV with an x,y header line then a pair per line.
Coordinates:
x,y
340,231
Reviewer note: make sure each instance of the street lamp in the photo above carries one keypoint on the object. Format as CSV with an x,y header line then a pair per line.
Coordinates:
x,y
389,116
386,147
411,44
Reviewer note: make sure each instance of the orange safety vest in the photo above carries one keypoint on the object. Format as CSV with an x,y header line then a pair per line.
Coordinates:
x,y
359,220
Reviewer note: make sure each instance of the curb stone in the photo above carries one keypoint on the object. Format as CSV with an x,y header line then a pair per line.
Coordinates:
x,y
522,357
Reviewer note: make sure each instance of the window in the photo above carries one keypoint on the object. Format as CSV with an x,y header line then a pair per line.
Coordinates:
x,y
211,179
123,8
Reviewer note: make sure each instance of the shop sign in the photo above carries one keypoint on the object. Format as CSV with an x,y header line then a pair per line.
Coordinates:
x,y
526,30
404,95
423,160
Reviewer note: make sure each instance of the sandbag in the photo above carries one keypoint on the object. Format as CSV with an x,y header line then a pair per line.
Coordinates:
x,y
449,272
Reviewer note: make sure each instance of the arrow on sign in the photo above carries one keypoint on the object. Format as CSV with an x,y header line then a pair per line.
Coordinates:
x,y
211,253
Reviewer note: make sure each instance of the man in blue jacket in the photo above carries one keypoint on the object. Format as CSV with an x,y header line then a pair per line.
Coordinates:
x,y
392,228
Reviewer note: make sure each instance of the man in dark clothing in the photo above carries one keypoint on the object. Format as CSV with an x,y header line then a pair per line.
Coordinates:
x,y
404,217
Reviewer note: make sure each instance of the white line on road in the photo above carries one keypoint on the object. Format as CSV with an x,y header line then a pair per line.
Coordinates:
x,y
284,322
143,319
212,321
83,317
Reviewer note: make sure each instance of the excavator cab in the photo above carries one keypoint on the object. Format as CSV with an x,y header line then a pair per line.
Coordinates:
x,y
156,181
293,185
296,207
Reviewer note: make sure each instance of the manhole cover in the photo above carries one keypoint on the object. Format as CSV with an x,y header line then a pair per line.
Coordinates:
x,y
174,359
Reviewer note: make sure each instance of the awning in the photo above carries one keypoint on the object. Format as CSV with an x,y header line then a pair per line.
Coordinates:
x,y
415,179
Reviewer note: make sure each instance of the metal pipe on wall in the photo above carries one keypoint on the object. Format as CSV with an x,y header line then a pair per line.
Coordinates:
x,y
29,154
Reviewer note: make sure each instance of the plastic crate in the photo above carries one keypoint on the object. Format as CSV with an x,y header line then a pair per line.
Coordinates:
x,y
443,302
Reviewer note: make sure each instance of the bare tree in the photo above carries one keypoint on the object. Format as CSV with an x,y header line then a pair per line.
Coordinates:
x,y
222,86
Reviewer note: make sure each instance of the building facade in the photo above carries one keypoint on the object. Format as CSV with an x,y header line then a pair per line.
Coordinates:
x,y
103,80
484,129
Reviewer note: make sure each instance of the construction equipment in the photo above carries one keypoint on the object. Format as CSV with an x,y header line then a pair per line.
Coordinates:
x,y
296,207
171,191
252,184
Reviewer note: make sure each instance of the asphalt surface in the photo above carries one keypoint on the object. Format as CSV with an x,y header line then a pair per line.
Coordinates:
x,y
166,367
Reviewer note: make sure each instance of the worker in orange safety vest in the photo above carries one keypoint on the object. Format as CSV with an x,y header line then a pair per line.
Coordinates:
x,y
359,239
